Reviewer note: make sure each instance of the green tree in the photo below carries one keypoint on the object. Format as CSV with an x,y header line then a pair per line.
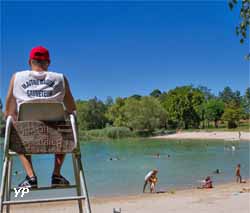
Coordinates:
x,y
206,92
115,112
243,26
109,101
144,114
82,109
214,108
136,96
156,93
154,114
241,29
229,97
247,95
246,103
232,115
91,114
183,106
207,96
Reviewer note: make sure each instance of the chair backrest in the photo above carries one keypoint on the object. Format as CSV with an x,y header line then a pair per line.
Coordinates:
x,y
41,111
42,128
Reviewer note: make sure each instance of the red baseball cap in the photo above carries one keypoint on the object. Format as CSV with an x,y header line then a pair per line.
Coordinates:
x,y
39,53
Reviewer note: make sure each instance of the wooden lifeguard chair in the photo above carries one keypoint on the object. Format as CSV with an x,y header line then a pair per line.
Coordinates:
x,y
42,128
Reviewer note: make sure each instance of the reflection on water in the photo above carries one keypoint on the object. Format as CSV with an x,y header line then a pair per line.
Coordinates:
x,y
119,167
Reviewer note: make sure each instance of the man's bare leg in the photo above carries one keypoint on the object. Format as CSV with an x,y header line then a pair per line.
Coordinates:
x,y
27,164
57,179
59,158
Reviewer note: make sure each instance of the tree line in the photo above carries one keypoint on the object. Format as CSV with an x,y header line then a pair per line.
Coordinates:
x,y
183,107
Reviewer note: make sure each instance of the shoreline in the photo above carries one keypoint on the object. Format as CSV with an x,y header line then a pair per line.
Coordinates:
x,y
176,191
214,135
169,190
229,197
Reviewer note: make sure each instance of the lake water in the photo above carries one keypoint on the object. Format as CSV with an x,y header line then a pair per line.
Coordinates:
x,y
182,164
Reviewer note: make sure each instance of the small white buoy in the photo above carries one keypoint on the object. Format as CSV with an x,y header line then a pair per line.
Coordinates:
x,y
233,148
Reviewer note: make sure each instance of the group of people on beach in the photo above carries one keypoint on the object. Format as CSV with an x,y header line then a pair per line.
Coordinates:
x,y
208,182
151,179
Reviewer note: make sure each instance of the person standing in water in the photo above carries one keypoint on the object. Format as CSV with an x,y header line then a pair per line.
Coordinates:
x,y
237,174
39,84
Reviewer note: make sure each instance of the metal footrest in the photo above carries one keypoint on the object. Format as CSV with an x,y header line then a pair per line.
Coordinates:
x,y
45,200
50,188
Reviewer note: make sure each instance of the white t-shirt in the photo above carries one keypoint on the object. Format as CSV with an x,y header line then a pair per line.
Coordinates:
x,y
34,85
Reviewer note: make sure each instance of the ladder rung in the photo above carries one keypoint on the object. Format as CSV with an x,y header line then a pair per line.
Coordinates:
x,y
50,188
45,200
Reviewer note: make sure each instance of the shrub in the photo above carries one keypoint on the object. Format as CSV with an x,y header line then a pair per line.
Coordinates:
x,y
108,132
118,132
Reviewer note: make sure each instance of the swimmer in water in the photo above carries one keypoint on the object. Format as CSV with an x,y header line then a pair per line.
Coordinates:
x,y
217,171
115,158
17,172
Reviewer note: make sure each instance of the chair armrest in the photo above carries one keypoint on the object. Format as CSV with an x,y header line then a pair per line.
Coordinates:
x,y
9,122
74,128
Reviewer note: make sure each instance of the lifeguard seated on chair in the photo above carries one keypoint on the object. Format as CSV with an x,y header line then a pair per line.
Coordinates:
x,y
39,84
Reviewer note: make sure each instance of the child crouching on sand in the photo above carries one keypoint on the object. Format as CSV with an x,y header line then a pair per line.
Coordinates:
x,y
152,181
208,183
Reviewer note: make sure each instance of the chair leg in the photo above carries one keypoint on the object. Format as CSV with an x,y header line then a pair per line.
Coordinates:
x,y
3,182
8,183
77,180
83,184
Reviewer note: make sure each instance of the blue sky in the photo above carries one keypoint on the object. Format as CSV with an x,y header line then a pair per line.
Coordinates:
x,y
125,48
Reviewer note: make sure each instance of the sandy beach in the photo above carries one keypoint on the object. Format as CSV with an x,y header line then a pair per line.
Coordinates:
x,y
207,135
230,198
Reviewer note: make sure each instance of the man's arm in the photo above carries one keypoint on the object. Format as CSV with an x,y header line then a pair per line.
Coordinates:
x,y
68,98
11,106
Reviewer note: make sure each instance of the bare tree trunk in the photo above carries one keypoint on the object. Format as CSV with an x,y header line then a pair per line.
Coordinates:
x,y
216,124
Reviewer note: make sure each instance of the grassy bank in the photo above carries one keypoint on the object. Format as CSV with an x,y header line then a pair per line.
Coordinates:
x,y
107,133
124,132
243,127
